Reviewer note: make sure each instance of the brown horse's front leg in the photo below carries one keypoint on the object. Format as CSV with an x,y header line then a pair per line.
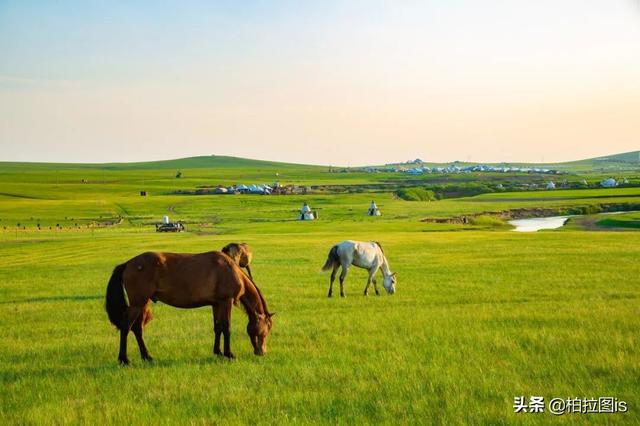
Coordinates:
x,y
217,329
222,326
226,331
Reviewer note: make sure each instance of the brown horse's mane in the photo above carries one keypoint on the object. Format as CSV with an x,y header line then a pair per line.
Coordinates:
x,y
260,296
264,302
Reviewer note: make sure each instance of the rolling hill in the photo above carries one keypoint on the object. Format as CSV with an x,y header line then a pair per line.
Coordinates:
x,y
626,157
624,160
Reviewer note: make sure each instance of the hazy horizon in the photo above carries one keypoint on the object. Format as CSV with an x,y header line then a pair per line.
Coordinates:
x,y
342,83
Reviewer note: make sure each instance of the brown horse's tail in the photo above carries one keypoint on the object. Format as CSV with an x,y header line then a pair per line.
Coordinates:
x,y
332,260
116,304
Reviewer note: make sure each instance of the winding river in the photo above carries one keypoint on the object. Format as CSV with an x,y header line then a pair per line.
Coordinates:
x,y
537,223
552,222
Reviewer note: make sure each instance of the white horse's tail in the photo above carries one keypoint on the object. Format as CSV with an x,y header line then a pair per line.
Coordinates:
x,y
332,259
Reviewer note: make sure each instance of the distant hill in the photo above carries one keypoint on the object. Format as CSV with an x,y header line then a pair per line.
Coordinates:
x,y
204,161
627,157
607,163
200,162
623,161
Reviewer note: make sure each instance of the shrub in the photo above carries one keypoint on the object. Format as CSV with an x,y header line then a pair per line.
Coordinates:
x,y
415,194
487,221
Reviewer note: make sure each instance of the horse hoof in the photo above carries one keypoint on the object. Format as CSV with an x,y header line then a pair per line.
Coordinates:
x,y
123,361
229,355
147,358
218,353
342,295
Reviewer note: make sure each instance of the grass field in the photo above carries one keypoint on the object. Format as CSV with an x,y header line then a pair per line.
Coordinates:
x,y
481,314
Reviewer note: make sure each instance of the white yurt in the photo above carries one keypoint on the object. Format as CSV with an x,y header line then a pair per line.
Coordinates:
x,y
551,185
373,209
306,213
609,183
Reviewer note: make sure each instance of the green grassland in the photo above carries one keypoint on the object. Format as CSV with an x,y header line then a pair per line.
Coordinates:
x,y
482,314
628,220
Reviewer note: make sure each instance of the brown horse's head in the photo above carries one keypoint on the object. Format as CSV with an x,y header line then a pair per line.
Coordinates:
x,y
258,329
233,251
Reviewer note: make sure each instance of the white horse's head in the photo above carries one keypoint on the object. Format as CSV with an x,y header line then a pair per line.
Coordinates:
x,y
389,283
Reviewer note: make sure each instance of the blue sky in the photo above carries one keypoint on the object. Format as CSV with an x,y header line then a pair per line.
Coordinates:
x,y
353,82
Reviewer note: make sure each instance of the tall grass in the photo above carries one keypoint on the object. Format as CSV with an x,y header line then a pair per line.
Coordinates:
x,y
479,317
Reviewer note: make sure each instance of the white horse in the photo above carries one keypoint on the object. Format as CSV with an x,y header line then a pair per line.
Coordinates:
x,y
366,255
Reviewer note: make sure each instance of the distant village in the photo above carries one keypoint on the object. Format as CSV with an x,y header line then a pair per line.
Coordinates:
x,y
417,167
257,189
412,168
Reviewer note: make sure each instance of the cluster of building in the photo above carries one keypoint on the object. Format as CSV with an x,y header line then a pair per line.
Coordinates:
x,y
260,189
453,169
605,183
612,183
263,189
418,168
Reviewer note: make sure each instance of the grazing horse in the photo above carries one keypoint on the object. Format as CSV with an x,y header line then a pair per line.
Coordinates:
x,y
185,281
367,255
241,253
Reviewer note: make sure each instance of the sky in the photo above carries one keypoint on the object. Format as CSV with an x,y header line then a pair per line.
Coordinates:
x,y
332,82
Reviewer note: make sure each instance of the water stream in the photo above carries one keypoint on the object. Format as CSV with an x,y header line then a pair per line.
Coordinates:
x,y
537,223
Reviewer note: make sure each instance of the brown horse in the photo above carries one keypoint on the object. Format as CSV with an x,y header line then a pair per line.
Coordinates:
x,y
185,281
241,253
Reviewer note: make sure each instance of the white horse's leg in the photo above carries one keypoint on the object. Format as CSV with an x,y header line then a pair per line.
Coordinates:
x,y
366,288
375,284
343,275
333,278
371,278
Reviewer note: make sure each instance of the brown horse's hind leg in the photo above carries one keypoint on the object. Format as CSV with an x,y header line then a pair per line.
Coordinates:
x,y
129,319
222,322
138,325
122,356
